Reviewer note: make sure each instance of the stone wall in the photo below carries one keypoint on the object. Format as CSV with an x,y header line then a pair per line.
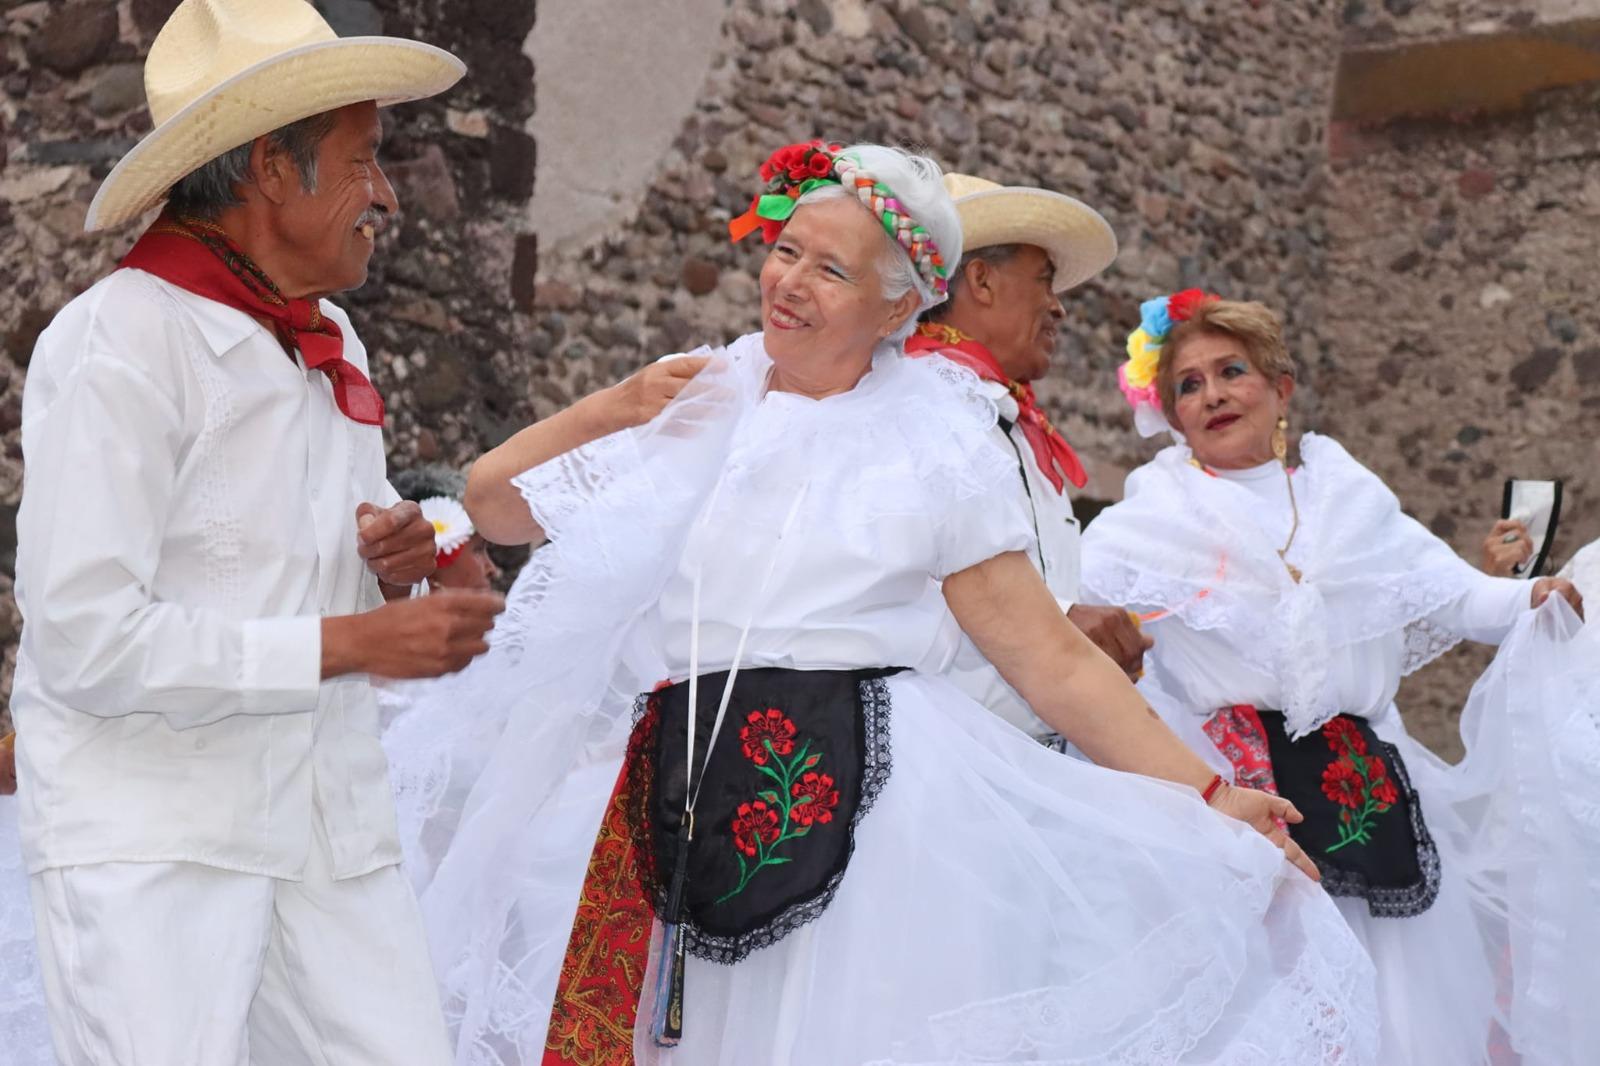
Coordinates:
x,y
1460,289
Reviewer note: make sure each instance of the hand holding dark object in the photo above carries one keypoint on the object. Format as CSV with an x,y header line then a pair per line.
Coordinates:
x,y
1507,547
1270,816
1546,587
1114,632
641,396
397,542
8,765
423,637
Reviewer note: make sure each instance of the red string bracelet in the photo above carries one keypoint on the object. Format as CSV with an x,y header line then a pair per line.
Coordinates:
x,y
1211,789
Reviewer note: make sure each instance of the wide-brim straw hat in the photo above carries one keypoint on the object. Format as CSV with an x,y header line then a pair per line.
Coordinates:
x,y
223,72
1079,242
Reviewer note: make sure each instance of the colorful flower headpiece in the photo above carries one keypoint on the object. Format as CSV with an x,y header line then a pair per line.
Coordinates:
x,y
796,169
452,528
1137,377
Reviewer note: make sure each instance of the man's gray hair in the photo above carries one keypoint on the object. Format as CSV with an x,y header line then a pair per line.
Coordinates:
x,y
206,192
994,255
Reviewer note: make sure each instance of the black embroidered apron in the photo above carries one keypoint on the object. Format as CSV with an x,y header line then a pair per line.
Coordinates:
x,y
800,758
1363,823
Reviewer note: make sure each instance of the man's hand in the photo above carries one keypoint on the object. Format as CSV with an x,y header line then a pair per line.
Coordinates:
x,y
8,765
396,542
424,637
1507,547
1114,632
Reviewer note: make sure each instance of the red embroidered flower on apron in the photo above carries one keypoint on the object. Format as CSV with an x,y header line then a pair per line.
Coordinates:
x,y
765,734
814,799
1358,782
754,824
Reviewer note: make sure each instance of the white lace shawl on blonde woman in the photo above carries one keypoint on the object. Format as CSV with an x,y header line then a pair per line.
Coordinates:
x,y
1184,541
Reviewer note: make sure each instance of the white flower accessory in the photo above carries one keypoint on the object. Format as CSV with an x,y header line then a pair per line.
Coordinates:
x,y
452,527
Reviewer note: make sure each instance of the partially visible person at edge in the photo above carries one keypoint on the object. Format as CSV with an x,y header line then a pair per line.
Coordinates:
x,y
211,564
1289,602
776,533
460,550
1022,248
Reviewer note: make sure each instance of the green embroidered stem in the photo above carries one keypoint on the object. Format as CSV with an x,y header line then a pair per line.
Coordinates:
x,y
784,799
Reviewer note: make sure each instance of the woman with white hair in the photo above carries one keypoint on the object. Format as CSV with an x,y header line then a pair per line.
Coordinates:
x,y
818,851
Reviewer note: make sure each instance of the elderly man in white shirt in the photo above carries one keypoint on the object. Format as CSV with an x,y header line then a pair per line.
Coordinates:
x,y
1023,248
210,566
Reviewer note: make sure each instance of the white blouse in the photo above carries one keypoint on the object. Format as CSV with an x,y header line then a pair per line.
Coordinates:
x,y
878,494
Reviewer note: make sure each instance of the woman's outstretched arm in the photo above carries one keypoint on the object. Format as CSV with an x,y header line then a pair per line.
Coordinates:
x,y
1003,605
497,508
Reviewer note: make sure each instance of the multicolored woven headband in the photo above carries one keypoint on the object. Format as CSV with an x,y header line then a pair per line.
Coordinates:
x,y
796,169
1137,377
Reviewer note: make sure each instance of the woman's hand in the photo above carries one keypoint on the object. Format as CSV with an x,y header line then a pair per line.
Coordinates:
x,y
1546,587
1267,814
1507,547
640,397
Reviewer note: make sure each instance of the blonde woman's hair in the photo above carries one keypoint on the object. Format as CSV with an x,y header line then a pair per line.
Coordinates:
x,y
1252,324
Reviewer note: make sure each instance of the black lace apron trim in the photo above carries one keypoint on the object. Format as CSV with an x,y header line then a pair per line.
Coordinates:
x,y
1363,823
801,757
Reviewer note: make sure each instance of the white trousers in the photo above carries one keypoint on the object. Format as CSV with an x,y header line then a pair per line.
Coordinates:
x,y
179,964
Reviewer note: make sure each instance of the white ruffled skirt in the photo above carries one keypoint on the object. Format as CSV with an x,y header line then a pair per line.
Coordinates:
x,y
1003,904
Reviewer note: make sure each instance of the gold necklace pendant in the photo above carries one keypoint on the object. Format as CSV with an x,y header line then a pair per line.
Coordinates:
x,y
1294,571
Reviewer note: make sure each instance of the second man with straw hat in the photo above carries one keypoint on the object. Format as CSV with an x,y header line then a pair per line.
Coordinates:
x,y
1023,247
210,566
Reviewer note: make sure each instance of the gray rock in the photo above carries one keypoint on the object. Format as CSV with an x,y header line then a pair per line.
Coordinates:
x,y
816,15
119,88
352,18
74,37
1533,372
1563,325
425,185
56,153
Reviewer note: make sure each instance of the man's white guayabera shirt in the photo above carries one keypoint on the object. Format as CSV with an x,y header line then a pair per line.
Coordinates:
x,y
188,519
1054,552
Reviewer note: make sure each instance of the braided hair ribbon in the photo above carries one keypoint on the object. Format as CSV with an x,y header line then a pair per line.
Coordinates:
x,y
796,169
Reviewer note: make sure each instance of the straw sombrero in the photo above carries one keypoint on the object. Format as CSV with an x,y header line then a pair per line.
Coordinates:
x,y
1079,242
223,72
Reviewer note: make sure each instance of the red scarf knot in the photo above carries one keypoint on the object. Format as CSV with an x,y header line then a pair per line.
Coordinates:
x,y
1056,459
199,257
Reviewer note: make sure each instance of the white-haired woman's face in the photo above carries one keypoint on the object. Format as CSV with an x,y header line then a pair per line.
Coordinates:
x,y
822,300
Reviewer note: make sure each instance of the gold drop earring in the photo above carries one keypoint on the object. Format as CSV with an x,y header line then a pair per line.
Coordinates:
x,y
1280,451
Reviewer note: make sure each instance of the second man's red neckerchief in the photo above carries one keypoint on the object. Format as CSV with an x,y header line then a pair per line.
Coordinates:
x,y
1057,461
198,256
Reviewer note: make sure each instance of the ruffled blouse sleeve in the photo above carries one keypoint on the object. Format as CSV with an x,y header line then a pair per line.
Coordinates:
x,y
978,503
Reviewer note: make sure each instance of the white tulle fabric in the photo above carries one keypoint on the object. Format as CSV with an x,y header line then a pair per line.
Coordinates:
x,y
1003,904
1187,543
24,1027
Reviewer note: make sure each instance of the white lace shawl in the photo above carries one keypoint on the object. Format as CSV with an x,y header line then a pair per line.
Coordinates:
x,y
1184,542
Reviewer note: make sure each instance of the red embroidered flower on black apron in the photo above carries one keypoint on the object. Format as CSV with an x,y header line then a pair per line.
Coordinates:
x,y
1357,781
802,798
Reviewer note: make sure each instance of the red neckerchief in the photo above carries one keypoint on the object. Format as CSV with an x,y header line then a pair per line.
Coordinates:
x,y
1056,459
199,257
